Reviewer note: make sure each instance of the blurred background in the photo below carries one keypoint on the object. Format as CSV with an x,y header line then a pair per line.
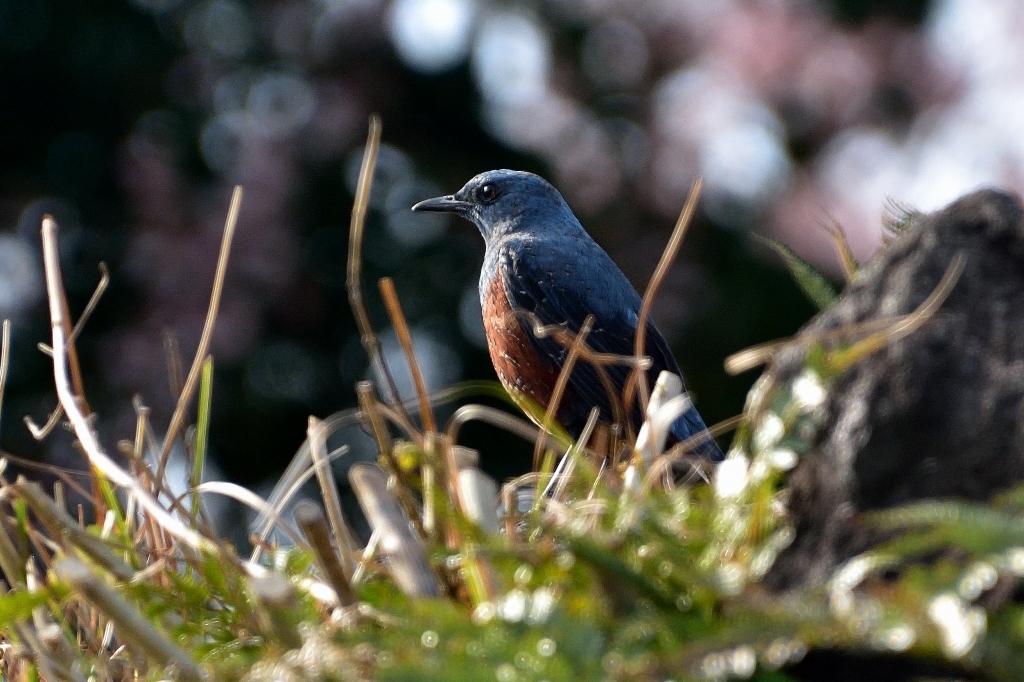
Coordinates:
x,y
130,120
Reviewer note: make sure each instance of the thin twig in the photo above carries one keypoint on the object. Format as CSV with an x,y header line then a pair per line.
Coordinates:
x,y
139,444
638,381
390,296
249,499
560,384
562,480
367,398
354,270
74,368
175,375
66,475
886,329
82,427
63,528
563,337
370,408
310,518
178,418
329,490
5,359
94,300
41,433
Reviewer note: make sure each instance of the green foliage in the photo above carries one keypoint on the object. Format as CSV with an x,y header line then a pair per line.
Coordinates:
x,y
625,579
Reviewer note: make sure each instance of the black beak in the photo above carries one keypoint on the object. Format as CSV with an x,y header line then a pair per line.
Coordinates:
x,y
445,204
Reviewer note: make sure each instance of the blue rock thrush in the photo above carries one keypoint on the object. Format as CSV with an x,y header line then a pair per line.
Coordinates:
x,y
540,260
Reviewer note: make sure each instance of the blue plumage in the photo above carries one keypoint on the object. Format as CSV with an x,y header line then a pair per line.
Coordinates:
x,y
552,273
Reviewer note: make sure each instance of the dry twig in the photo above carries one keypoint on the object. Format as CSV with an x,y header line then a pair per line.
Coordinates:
x,y
387,291
83,429
353,275
638,381
560,384
178,418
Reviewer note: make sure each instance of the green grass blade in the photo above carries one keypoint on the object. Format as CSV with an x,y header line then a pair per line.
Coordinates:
x,y
810,281
202,430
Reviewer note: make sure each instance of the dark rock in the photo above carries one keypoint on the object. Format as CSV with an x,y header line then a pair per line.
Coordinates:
x,y
938,413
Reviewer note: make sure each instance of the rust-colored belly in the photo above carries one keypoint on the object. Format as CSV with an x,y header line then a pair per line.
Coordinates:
x,y
523,373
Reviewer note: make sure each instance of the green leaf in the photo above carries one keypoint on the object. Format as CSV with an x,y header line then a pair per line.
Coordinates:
x,y
17,606
810,281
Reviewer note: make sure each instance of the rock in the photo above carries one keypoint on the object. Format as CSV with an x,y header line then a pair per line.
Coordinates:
x,y
936,414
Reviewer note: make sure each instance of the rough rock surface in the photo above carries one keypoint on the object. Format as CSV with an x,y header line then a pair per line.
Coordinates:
x,y
938,413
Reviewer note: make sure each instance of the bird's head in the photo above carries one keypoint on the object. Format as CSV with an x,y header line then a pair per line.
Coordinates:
x,y
503,202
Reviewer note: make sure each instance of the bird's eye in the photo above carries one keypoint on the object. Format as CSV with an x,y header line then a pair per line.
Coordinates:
x,y
489,192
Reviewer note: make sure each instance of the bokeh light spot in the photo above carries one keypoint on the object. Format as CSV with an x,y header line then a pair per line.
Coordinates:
x,y
408,228
746,162
393,167
438,362
281,103
21,280
222,26
511,58
432,36
221,143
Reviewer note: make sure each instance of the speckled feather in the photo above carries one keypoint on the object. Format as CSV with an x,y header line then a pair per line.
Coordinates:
x,y
540,260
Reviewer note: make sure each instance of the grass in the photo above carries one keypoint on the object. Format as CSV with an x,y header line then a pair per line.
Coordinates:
x,y
592,571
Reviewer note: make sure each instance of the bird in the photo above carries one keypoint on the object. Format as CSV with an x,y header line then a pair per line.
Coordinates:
x,y
542,268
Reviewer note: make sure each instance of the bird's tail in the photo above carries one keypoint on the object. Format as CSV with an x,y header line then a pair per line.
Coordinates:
x,y
690,425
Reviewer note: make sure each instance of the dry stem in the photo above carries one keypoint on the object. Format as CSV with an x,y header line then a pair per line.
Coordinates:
x,y
178,418
387,291
638,382
563,381
317,435
310,519
354,270
83,429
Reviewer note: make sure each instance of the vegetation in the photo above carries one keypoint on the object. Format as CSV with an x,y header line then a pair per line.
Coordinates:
x,y
646,568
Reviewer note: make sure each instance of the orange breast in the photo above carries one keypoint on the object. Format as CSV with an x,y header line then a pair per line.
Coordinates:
x,y
523,373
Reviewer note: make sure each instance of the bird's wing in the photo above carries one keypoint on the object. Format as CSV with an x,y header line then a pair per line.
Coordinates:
x,y
564,286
